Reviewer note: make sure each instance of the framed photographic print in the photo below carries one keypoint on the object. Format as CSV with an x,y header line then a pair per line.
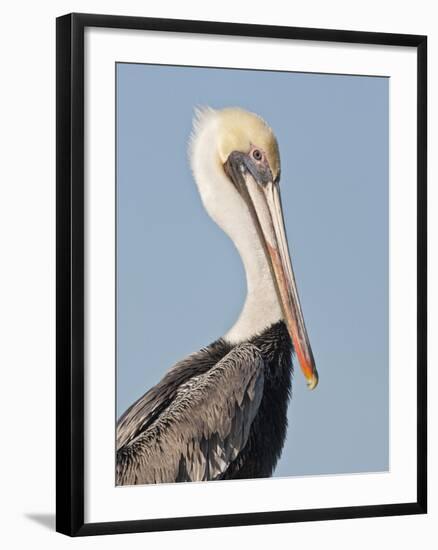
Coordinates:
x,y
241,274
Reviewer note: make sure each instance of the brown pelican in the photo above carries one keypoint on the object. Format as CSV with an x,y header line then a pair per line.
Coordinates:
x,y
221,413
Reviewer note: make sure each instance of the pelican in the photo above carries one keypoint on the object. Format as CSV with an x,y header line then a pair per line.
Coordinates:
x,y
221,413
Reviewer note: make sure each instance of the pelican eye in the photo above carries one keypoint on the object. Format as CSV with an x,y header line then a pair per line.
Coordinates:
x,y
257,155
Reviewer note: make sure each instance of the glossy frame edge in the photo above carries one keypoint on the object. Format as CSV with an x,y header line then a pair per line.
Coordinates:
x,y
70,274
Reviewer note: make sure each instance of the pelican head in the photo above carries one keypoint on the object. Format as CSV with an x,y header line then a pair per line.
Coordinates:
x,y
236,164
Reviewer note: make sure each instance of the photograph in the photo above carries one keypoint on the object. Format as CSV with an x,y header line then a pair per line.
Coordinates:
x,y
217,260
241,280
252,236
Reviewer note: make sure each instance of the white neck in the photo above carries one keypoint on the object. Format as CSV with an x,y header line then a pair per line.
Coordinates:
x,y
227,208
261,308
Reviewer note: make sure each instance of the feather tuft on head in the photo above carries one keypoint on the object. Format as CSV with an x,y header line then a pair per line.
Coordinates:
x,y
235,130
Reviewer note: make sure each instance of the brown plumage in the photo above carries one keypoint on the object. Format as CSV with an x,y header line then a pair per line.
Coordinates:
x,y
212,416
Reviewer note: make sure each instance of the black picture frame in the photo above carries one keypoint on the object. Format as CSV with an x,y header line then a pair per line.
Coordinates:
x,y
70,273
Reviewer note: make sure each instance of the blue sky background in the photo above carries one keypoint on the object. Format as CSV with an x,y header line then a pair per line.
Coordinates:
x,y
180,282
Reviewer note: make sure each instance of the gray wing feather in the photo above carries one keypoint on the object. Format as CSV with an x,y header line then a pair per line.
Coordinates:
x,y
203,429
141,414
